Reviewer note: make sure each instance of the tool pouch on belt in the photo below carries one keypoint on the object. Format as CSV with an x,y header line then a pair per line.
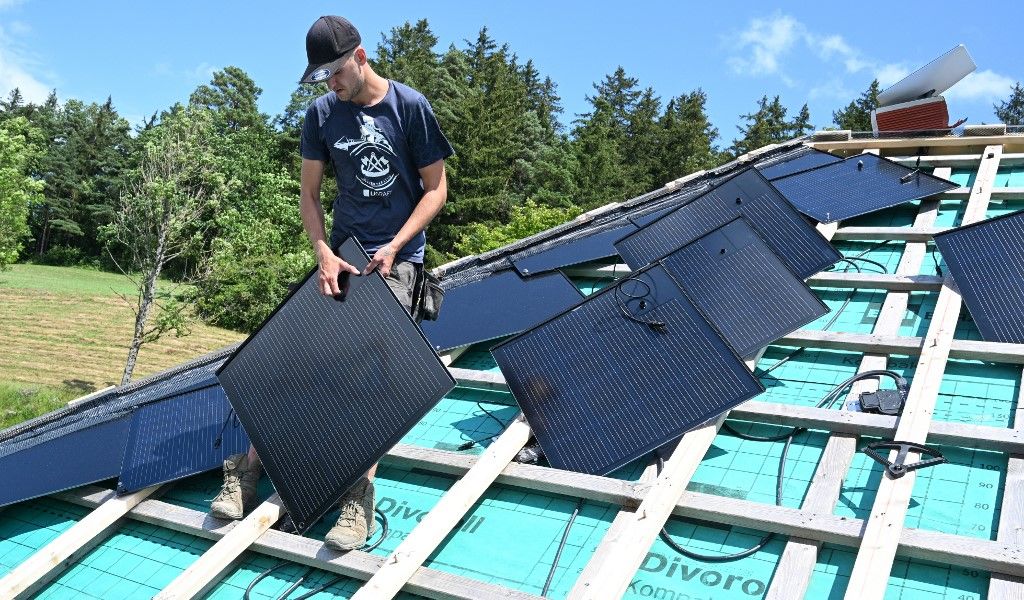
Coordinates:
x,y
427,296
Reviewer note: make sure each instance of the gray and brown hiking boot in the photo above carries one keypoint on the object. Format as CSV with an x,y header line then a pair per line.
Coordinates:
x,y
239,489
355,523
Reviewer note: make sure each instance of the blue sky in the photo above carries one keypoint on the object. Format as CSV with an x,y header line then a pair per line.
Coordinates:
x,y
149,55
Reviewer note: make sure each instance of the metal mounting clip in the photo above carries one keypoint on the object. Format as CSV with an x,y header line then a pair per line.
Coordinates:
x,y
898,468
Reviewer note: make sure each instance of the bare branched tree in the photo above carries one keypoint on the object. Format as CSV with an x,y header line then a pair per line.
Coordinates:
x,y
158,221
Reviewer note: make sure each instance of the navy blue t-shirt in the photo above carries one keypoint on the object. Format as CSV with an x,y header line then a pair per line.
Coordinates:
x,y
377,153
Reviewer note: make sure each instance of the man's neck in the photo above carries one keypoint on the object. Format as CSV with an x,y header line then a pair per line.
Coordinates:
x,y
374,89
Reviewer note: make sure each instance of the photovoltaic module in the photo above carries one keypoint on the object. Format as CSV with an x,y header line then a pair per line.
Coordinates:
x,y
742,287
802,159
326,386
180,436
633,367
856,186
746,194
500,304
986,260
595,246
62,460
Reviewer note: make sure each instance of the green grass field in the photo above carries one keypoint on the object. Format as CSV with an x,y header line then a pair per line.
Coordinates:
x,y
64,332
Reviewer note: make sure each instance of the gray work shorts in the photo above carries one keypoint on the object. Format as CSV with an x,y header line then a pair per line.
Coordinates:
x,y
402,281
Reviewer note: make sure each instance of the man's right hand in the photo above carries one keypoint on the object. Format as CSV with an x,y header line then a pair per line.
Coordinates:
x,y
330,267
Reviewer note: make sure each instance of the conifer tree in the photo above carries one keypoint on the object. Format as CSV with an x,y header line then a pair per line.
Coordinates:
x,y
767,125
1011,110
857,114
802,124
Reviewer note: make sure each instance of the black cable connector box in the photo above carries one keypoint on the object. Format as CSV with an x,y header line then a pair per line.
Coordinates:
x,y
886,402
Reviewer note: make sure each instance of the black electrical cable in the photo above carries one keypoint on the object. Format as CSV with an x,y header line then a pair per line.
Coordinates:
x,y
826,402
366,548
470,443
561,546
855,259
656,325
935,260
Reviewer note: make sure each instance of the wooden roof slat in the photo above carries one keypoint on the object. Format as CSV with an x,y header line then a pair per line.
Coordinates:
x,y
1011,514
48,562
873,564
800,557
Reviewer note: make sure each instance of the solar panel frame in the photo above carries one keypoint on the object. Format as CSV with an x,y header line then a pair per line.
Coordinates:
x,y
501,304
373,367
848,191
989,272
177,437
745,194
743,288
584,389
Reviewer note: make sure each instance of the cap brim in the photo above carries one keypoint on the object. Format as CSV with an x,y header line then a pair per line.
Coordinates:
x,y
319,73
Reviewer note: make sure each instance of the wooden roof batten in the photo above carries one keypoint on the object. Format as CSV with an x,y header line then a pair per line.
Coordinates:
x,y
880,537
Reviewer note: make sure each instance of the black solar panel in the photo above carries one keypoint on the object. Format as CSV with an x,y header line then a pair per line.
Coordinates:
x,y
746,194
600,389
178,437
62,460
856,186
986,260
742,287
325,387
800,160
498,305
592,247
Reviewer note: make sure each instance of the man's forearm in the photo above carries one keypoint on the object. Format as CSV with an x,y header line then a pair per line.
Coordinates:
x,y
427,208
313,222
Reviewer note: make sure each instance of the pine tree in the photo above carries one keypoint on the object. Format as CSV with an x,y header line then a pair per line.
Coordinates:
x,y
686,138
801,126
857,114
232,95
765,126
602,176
1011,111
642,143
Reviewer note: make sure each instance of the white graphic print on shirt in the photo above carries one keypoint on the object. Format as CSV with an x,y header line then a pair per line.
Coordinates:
x,y
374,169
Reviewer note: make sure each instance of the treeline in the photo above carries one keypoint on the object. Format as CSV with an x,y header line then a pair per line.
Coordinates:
x,y
519,168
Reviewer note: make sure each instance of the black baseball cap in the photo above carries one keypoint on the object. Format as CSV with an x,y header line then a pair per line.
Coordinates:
x,y
327,40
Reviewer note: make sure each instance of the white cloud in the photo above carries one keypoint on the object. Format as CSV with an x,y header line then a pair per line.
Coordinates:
x,y
764,42
890,74
834,46
982,85
19,70
833,89
201,73
4,4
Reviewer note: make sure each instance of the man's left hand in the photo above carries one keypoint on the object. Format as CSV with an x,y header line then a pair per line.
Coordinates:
x,y
382,260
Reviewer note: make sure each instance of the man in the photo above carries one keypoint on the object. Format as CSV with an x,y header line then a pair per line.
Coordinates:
x,y
388,153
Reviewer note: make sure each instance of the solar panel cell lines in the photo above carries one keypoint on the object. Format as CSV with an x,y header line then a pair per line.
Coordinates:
x,y
178,437
742,287
856,186
325,387
601,385
501,304
749,195
986,260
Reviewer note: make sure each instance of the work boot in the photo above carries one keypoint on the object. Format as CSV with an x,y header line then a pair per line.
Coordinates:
x,y
239,489
355,523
